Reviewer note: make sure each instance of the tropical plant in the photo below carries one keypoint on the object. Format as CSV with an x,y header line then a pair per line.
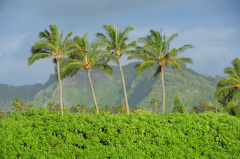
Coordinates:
x,y
203,107
116,45
229,87
52,106
154,103
107,108
18,104
82,108
120,108
156,51
74,109
94,109
85,57
233,108
30,106
179,107
51,44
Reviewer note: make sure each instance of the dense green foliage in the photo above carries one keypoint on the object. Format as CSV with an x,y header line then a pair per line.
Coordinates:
x,y
40,133
228,88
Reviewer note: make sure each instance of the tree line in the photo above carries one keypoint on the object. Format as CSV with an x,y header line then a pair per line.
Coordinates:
x,y
70,55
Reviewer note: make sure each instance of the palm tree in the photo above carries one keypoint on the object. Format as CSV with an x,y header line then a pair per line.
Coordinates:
x,y
18,104
82,108
116,45
30,106
51,44
229,88
84,57
74,109
52,106
156,51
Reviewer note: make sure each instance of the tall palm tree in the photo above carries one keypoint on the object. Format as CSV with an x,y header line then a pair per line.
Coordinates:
x,y
229,88
156,51
51,44
18,104
116,45
84,57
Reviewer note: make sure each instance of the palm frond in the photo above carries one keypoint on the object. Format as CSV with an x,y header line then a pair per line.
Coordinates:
x,y
144,65
220,90
69,67
182,60
230,81
231,72
176,65
37,56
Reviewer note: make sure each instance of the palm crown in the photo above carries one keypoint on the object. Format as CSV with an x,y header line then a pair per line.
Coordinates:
x,y
84,56
156,51
18,104
51,44
116,45
229,87
115,41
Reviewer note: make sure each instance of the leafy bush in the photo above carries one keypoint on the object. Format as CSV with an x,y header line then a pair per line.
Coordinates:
x,y
40,133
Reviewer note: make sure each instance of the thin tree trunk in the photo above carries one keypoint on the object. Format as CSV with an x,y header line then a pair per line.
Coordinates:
x,y
163,89
124,88
60,86
94,97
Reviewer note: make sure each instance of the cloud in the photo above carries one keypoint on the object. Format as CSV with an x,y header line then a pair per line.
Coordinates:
x,y
211,26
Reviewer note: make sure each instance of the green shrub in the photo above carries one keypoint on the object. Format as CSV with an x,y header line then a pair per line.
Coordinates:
x,y
39,133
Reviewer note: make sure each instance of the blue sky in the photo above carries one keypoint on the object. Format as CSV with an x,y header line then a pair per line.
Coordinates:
x,y
212,26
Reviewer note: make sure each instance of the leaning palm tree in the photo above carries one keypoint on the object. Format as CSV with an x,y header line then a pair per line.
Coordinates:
x,y
116,45
18,104
156,51
51,44
84,57
229,88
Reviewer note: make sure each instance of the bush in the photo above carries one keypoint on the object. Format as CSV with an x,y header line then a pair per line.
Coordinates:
x,y
40,134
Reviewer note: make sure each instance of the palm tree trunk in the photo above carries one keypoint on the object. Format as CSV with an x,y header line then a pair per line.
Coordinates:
x,y
94,97
163,89
124,88
60,86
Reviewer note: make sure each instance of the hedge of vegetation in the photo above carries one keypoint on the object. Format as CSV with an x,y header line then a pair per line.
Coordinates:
x,y
39,133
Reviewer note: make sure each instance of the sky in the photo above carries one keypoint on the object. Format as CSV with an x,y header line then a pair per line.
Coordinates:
x,y
212,26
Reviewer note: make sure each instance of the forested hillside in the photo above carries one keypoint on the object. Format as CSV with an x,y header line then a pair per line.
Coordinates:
x,y
26,92
141,89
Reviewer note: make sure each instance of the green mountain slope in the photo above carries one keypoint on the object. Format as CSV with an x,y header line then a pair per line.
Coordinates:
x,y
26,93
140,88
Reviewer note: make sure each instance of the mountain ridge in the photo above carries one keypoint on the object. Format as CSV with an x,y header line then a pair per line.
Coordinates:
x,y
108,88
